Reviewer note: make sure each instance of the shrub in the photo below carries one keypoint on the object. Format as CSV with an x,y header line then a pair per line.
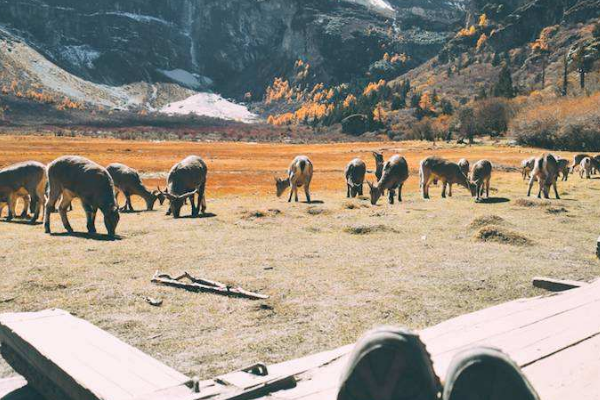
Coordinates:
x,y
492,116
561,124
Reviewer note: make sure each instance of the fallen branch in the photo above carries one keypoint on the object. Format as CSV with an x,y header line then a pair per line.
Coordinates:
x,y
204,285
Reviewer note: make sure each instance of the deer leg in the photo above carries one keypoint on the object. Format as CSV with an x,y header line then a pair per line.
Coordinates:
x,y
556,191
530,186
12,205
128,201
307,192
450,190
90,215
348,190
26,205
62,210
391,196
444,189
291,193
400,192
50,207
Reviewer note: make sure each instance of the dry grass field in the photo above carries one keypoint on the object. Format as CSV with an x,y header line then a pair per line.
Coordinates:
x,y
332,269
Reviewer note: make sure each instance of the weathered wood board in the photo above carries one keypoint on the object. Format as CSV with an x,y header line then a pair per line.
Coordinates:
x,y
77,359
555,339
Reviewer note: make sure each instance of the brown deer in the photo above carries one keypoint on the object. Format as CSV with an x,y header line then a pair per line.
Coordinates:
x,y
300,174
481,177
527,166
186,179
71,177
563,168
585,168
545,171
433,168
394,174
577,160
21,194
127,181
20,180
355,177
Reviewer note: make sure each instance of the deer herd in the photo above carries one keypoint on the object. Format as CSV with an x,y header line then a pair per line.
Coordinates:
x,y
98,188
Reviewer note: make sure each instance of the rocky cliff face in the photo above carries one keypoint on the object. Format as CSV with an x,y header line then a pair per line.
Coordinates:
x,y
231,46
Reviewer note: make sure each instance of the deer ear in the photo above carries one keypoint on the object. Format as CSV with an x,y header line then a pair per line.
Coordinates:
x,y
370,184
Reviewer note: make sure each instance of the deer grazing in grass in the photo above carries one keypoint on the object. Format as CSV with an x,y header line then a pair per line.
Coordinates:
x,y
186,179
22,180
300,174
577,160
545,170
464,165
127,181
433,168
563,168
21,194
394,174
527,166
71,177
481,177
355,177
585,168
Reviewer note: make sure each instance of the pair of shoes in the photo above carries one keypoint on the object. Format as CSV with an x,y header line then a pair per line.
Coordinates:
x,y
393,364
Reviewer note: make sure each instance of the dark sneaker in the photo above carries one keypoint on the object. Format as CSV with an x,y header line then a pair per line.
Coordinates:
x,y
486,374
389,364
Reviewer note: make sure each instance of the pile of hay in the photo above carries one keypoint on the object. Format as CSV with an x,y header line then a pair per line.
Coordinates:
x,y
498,234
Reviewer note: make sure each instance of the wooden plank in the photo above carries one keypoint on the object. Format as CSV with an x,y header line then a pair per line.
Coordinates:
x,y
556,285
546,330
569,374
81,360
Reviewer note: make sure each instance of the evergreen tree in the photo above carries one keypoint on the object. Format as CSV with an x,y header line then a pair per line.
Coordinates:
x,y
504,87
415,100
583,63
496,60
398,102
481,94
446,107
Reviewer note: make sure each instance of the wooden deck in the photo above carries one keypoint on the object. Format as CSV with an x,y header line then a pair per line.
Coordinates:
x,y
68,356
555,339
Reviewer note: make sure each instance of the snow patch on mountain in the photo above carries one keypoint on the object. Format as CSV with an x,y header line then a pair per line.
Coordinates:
x,y
380,5
210,105
187,79
82,56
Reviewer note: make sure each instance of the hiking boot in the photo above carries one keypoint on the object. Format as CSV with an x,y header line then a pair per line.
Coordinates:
x,y
486,374
389,364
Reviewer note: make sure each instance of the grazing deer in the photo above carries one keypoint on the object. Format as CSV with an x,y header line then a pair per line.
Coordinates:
x,y
300,174
394,174
577,160
355,177
127,180
378,164
545,171
585,168
20,180
595,164
563,168
21,194
433,168
527,166
464,165
481,177
186,179
71,177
